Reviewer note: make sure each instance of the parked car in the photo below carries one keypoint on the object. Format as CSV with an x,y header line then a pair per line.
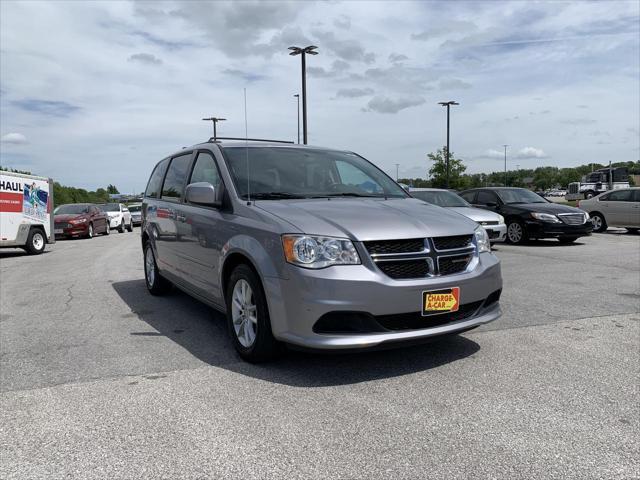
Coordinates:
x,y
312,247
529,216
119,216
136,213
80,220
492,222
25,212
616,208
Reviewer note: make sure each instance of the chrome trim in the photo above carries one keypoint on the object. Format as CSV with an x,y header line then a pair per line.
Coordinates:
x,y
400,259
374,256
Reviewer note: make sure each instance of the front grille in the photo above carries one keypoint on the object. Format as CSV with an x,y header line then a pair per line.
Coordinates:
x,y
451,243
493,234
489,223
405,269
61,225
415,321
411,245
572,218
453,264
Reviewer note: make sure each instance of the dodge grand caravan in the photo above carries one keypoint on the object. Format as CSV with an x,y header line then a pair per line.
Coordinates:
x,y
312,247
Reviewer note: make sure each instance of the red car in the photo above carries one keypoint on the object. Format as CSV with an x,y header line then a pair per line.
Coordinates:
x,y
80,220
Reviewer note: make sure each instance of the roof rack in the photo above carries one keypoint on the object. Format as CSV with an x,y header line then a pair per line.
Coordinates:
x,y
214,140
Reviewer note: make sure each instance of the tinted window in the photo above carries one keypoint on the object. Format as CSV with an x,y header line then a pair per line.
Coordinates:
x,y
441,198
155,182
71,209
485,198
636,195
205,170
176,175
355,177
520,195
619,196
468,196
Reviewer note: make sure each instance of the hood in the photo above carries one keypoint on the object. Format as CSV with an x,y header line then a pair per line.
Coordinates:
x,y
553,208
65,217
476,214
113,214
366,219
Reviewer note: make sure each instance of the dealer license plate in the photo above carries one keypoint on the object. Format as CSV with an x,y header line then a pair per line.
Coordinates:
x,y
58,231
440,301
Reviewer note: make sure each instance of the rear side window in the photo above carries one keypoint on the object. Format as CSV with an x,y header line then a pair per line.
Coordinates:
x,y
205,170
620,196
468,196
155,181
636,195
173,187
484,198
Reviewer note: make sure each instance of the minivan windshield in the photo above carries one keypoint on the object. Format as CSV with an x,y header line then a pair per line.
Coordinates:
x,y
134,208
110,207
442,198
71,209
519,195
282,172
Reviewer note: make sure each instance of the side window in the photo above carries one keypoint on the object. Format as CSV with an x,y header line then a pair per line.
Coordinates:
x,y
484,198
353,176
155,181
205,170
469,196
173,187
620,196
636,195
605,197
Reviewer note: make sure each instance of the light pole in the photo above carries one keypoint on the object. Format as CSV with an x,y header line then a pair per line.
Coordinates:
x,y
297,95
397,167
505,164
214,120
448,105
303,52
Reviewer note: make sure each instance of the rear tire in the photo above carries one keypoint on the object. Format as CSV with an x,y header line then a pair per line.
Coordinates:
x,y
90,231
516,233
36,242
248,317
156,283
130,227
599,223
107,228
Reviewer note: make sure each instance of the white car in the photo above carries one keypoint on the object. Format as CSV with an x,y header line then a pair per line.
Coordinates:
x,y
492,222
119,216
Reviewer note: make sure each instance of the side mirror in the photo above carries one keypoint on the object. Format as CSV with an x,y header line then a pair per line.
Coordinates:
x,y
203,193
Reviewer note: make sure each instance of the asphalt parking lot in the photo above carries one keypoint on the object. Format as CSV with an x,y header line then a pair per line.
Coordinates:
x,y
101,380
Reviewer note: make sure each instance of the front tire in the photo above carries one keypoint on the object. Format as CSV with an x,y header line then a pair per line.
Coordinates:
x,y
90,231
130,227
248,317
36,242
121,228
107,228
599,223
516,233
156,283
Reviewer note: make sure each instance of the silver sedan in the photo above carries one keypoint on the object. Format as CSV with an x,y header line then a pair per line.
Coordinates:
x,y
492,222
616,208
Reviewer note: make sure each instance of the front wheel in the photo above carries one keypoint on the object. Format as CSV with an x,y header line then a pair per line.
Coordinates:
x,y
121,228
156,283
35,242
90,231
107,228
130,227
599,223
516,233
248,317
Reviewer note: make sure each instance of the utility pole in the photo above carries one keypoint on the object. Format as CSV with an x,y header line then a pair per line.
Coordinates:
x,y
303,52
397,167
297,95
448,105
214,120
505,164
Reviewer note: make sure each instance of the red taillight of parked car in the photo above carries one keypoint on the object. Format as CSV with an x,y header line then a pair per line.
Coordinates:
x,y
578,204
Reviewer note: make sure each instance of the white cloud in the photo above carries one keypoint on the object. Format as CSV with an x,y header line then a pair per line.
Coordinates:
x,y
145,58
14,139
381,104
531,152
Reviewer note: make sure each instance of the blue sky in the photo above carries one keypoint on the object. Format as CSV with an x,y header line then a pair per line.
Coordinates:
x,y
93,93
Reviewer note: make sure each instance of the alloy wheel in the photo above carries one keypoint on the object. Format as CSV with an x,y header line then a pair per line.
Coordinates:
x,y
150,267
597,222
514,232
244,313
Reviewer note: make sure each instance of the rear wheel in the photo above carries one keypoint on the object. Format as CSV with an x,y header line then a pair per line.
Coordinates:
x,y
516,233
90,231
248,317
130,227
107,228
156,283
599,223
35,242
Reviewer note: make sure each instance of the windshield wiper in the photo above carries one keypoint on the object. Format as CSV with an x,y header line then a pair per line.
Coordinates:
x,y
348,194
272,195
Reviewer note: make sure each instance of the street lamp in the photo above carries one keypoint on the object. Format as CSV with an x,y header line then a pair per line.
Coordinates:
x,y
214,120
397,167
303,52
448,105
297,95
505,164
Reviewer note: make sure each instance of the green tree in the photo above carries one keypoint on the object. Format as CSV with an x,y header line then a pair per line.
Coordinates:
x,y
438,171
111,189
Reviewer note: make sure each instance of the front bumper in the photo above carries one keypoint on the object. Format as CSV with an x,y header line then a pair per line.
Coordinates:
x,y
537,229
296,304
497,233
79,230
114,222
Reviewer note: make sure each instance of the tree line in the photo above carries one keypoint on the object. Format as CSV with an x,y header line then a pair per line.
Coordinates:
x,y
539,178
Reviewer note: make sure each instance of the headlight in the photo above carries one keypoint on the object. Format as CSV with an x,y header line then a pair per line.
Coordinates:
x,y
482,240
545,217
318,252
78,220
500,219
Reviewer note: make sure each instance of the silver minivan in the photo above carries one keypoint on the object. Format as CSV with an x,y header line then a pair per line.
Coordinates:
x,y
312,247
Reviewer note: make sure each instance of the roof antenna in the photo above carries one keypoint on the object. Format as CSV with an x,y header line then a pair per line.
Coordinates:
x,y
246,147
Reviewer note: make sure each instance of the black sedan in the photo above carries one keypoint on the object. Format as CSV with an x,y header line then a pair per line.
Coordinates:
x,y
530,216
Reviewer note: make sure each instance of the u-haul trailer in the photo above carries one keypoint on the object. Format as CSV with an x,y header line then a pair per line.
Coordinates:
x,y
26,211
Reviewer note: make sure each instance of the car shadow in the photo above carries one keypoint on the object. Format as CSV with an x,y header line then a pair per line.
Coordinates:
x,y
10,253
552,242
202,331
